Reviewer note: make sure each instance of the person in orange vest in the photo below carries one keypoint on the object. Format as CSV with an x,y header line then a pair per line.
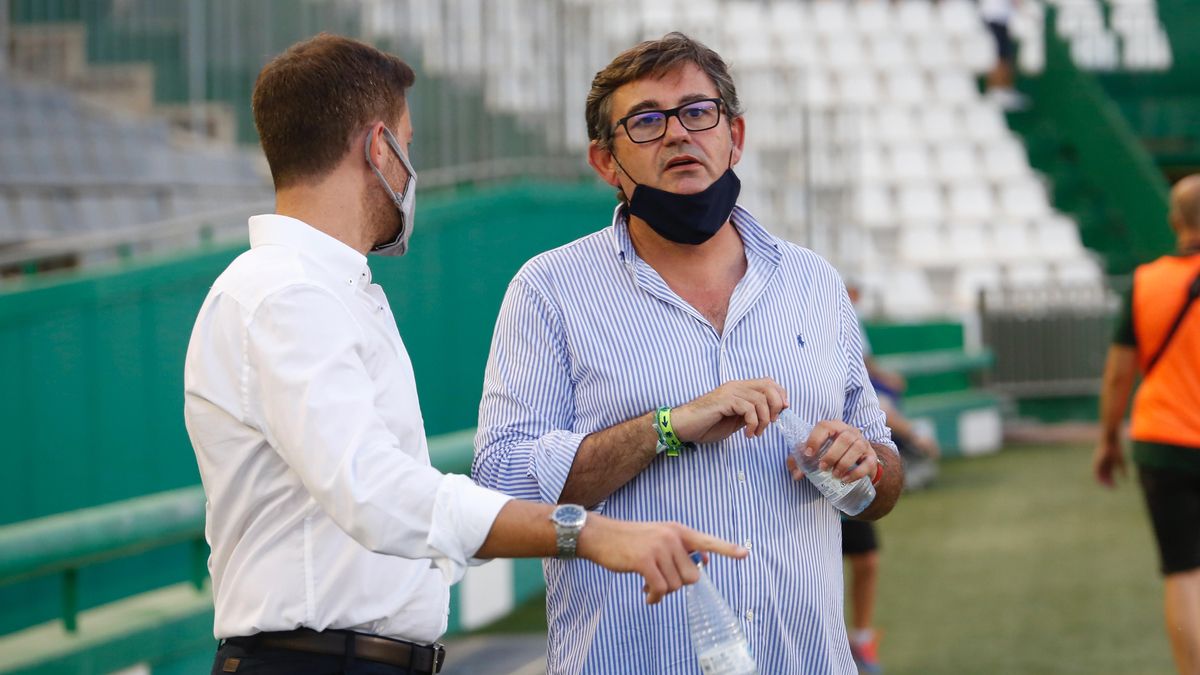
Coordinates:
x,y
1158,334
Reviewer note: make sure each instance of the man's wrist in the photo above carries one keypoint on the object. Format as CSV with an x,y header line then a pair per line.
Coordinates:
x,y
668,440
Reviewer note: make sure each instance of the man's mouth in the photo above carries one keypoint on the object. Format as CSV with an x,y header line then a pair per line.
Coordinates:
x,y
682,162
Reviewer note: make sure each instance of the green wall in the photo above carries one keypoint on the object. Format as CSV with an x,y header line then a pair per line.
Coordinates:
x,y
92,407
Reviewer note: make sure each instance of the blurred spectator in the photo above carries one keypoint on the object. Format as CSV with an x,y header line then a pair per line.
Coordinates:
x,y
860,542
996,14
1158,333
860,547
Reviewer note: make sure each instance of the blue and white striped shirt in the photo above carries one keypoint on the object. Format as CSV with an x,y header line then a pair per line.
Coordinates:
x,y
589,336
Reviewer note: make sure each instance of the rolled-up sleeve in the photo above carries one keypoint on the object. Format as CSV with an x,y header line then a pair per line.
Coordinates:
x,y
317,403
861,408
525,444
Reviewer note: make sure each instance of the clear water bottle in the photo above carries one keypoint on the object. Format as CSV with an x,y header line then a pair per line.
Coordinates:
x,y
717,638
849,498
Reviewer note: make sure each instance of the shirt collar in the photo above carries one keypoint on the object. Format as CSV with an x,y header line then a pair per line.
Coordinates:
x,y
275,230
755,238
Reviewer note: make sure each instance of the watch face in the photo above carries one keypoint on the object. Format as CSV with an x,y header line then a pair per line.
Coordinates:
x,y
570,515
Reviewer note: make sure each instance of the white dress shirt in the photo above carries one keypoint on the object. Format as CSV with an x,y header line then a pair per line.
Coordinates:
x,y
299,398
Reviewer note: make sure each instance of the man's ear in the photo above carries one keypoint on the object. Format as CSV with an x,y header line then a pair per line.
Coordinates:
x,y
602,162
379,145
737,132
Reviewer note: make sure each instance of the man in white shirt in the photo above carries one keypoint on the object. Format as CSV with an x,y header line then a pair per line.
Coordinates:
x,y
334,541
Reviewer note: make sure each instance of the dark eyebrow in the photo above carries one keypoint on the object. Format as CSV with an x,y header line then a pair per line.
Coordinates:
x,y
648,104
651,104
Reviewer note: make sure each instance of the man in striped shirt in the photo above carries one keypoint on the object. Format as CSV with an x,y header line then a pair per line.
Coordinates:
x,y
637,371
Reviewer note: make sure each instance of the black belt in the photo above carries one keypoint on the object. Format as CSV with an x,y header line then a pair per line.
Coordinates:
x,y
400,653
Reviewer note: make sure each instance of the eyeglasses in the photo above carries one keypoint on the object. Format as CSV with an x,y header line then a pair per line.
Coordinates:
x,y
651,125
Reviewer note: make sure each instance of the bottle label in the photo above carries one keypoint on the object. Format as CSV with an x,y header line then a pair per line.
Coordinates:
x,y
727,659
833,488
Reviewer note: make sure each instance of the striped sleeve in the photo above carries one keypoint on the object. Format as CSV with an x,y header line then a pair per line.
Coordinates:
x,y
861,408
525,443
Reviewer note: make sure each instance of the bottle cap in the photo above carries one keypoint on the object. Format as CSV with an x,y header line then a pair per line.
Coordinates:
x,y
697,558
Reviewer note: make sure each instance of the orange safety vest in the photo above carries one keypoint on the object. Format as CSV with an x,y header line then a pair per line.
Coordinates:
x,y
1166,408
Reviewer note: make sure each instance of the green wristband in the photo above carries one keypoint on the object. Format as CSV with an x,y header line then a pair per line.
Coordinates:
x,y
668,442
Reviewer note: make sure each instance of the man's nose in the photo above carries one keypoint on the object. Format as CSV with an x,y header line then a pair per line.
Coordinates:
x,y
675,130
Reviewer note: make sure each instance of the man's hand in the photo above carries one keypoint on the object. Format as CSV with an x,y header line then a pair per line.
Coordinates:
x,y
1108,460
657,551
752,404
849,457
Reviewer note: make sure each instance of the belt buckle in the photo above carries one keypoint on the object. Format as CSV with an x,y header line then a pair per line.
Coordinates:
x,y
439,656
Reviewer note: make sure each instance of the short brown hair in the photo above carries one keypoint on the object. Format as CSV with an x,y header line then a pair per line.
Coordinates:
x,y
312,98
654,58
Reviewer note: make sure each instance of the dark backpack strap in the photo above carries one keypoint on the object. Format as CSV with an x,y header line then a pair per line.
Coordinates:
x,y
1193,292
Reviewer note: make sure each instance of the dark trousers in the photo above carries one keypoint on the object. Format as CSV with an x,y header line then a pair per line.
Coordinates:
x,y
243,657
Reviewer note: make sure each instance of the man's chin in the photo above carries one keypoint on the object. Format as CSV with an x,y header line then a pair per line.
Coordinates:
x,y
687,185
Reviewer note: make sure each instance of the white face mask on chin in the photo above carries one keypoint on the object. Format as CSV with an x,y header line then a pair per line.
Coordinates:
x,y
405,202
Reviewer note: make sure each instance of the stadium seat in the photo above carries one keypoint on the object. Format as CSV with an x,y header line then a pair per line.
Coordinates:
x,y
1005,159
968,243
958,18
984,123
1057,238
954,88
925,246
873,18
914,18
909,163
1078,272
973,278
874,206
894,123
1027,274
940,124
1009,240
956,162
906,88
920,204
831,17
891,53
907,294
971,203
934,52
1024,198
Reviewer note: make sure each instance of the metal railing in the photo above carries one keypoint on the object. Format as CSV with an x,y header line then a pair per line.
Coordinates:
x,y
1047,341
63,544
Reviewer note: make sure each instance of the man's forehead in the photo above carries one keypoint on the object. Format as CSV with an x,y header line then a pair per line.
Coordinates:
x,y
666,89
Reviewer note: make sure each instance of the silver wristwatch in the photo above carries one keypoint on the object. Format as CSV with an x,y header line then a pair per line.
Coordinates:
x,y
568,521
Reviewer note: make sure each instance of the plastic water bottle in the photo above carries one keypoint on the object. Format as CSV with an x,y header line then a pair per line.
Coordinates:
x,y
849,498
717,638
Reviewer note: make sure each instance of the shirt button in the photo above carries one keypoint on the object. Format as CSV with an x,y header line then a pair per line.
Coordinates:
x,y
749,615
741,476
746,545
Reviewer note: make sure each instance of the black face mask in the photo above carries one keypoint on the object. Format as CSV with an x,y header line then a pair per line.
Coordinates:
x,y
686,219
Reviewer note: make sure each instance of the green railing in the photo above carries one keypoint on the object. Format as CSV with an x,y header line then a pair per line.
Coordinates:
x,y
63,544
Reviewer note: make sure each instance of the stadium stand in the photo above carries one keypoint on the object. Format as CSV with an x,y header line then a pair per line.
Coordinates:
x,y
869,141
68,168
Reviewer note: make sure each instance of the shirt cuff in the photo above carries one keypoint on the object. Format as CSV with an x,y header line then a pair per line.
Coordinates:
x,y
463,517
553,455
